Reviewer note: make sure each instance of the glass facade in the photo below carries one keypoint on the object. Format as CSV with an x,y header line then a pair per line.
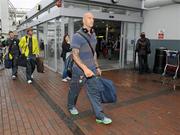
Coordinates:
x,y
133,31
115,32
51,46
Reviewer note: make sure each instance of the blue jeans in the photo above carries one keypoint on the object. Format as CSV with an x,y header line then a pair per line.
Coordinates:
x,y
92,91
67,66
31,63
14,65
143,63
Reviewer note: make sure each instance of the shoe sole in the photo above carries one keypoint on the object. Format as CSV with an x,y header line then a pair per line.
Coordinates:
x,y
13,78
64,81
29,82
73,113
101,122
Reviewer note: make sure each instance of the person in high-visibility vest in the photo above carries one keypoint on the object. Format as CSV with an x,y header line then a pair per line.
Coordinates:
x,y
30,48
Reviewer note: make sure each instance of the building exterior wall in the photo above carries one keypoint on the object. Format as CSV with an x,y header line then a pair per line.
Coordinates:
x,y
51,23
4,16
166,19
127,3
156,44
136,4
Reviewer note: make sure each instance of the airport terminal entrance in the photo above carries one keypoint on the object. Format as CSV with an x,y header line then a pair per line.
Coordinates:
x,y
108,43
115,41
117,28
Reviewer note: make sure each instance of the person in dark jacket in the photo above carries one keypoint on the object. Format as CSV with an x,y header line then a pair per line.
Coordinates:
x,y
143,49
66,51
13,49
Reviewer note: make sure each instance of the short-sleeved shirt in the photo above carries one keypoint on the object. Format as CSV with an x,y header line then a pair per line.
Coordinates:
x,y
85,52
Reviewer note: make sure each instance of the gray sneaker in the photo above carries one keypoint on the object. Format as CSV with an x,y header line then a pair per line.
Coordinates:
x,y
74,111
105,121
13,77
29,81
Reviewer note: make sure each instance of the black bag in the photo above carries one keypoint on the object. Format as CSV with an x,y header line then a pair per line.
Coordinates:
x,y
40,65
42,45
108,95
22,60
7,61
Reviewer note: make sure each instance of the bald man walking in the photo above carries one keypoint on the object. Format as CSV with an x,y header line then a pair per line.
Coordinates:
x,y
86,65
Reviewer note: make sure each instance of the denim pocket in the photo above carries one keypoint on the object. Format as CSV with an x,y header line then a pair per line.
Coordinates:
x,y
94,85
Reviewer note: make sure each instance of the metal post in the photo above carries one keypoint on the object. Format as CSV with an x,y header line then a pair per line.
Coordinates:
x,y
124,44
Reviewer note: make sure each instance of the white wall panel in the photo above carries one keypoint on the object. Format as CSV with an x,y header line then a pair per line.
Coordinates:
x,y
165,18
127,3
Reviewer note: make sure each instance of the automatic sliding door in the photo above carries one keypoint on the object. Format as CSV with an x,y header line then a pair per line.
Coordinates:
x,y
108,43
132,31
51,46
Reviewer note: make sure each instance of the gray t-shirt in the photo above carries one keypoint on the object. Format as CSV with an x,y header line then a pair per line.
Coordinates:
x,y
85,52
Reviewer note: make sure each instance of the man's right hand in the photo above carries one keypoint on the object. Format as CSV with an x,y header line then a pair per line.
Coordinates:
x,y
88,73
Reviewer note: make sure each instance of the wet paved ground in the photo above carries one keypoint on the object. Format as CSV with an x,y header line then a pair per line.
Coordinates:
x,y
145,106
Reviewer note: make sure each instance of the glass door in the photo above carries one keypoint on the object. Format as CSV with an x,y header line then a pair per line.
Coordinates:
x,y
59,39
51,45
132,31
64,25
41,37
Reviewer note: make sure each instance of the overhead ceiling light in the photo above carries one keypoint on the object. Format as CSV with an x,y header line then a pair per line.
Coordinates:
x,y
38,7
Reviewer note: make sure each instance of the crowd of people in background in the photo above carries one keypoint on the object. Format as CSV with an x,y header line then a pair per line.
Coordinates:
x,y
108,48
25,51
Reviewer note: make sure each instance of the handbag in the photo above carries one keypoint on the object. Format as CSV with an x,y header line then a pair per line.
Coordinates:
x,y
108,94
22,60
40,65
7,61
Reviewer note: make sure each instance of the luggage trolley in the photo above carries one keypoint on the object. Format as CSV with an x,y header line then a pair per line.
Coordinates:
x,y
172,60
